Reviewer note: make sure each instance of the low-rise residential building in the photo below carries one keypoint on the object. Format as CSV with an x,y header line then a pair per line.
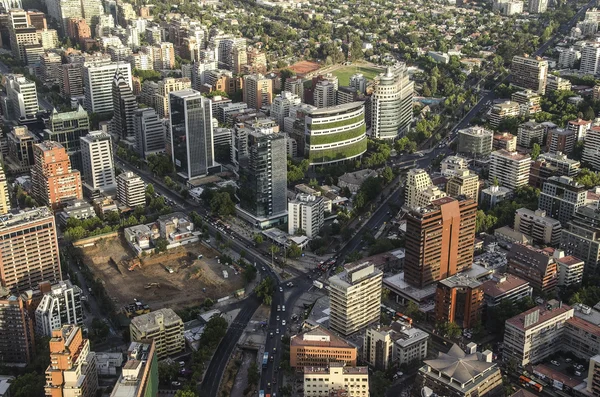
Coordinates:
x,y
319,347
503,287
78,209
501,111
533,265
164,326
543,229
491,196
321,381
555,83
506,236
139,377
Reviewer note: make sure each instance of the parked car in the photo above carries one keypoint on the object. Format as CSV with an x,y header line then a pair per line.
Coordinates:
x,y
554,362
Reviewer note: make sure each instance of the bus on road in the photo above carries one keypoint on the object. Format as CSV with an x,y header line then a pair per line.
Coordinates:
x,y
265,360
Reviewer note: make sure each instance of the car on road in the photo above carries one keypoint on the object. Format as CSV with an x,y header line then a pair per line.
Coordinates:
x,y
277,331
282,322
175,383
277,318
577,373
280,289
278,308
283,308
263,269
290,284
554,362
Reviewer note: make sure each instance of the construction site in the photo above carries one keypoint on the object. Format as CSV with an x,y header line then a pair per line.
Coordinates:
x,y
178,278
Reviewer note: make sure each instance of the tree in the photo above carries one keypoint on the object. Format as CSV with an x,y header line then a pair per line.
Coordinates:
x,y
258,238
535,151
167,372
253,374
379,384
221,204
264,290
387,174
294,251
186,393
160,244
150,189
27,385
588,178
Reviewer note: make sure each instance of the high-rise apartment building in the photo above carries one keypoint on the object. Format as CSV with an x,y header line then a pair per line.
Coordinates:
x,y
59,306
355,297
263,171
97,158
257,91
590,58
67,129
459,300
379,347
124,105
17,337
163,326
62,10
131,190
439,240
475,141
533,265
306,213
71,79
529,133
318,347
20,149
511,169
348,381
4,196
538,6
391,103
324,94
97,81
580,127
560,198
581,237
542,228
53,180
139,377
593,378
463,183
282,103
552,165
504,110
149,132
591,148
191,135
561,140
28,250
72,370
529,102
417,181
570,269
164,88
21,96
529,73
51,65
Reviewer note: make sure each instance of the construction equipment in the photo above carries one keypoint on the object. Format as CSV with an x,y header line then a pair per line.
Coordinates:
x,y
131,264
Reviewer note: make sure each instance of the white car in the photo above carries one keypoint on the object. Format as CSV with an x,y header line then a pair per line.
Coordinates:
x,y
282,322
277,331
278,308
280,289
283,308
554,362
277,318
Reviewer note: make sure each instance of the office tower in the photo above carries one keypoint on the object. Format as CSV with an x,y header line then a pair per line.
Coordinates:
x,y
257,91
391,103
71,84
72,369
50,65
59,306
511,169
475,141
164,327
560,198
306,213
463,184
529,73
561,140
124,105
149,132
591,148
191,134
21,96
501,111
529,133
53,180
590,58
164,88
536,266
538,6
439,240
131,190
20,149
459,300
4,196
97,80
324,94
67,129
505,287
17,345
28,250
280,109
318,347
443,377
139,377
542,228
336,379
504,141
335,134
354,297
97,159
581,237
263,172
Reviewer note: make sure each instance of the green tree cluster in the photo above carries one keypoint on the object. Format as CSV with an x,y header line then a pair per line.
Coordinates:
x,y
296,171
150,75
160,164
215,330
405,144
264,290
588,178
379,153
503,213
221,204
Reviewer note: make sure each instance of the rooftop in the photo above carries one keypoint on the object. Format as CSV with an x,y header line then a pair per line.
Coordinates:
x,y
460,280
476,131
321,337
335,109
556,375
588,327
458,365
511,155
545,313
500,285
148,322
327,370
24,216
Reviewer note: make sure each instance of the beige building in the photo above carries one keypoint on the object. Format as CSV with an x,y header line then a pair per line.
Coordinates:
x,y
131,190
164,326
542,228
529,102
394,345
257,91
593,379
463,184
510,168
355,297
417,180
529,73
4,197
475,141
165,87
319,347
379,347
501,111
570,269
320,382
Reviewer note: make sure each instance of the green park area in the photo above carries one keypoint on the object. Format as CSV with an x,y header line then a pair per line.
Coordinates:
x,y
343,74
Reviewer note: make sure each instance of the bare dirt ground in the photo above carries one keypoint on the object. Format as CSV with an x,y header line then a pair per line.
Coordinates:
x,y
180,289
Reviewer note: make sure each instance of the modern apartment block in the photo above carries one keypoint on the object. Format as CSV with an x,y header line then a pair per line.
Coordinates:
x,y
459,299
591,148
533,265
529,133
17,345
561,140
67,129
28,250
21,96
505,141
191,135
280,109
560,198
410,346
581,237
351,381
504,110
335,134
475,141
72,370
505,287
511,169
319,347
306,213
529,102
163,326
131,190
417,180
4,196
325,93
98,164
355,297
61,305
149,132
464,183
139,377
570,269
451,165
447,375
580,127
391,103
529,73
590,55
97,80
257,91
378,347
20,149
552,164
537,224
53,180
439,240
165,87
124,104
